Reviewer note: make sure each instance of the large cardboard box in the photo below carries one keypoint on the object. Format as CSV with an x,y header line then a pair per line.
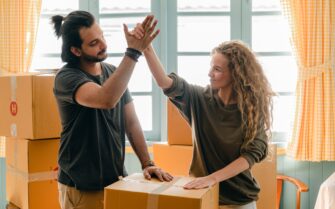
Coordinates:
x,y
265,173
28,107
179,132
177,159
30,174
135,192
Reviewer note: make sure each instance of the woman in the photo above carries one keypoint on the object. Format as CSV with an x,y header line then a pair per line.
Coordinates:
x,y
230,119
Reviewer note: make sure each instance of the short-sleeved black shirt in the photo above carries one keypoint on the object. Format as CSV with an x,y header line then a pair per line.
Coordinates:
x,y
91,154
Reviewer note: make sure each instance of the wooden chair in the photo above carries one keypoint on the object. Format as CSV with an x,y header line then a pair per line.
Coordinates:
x,y
11,206
300,186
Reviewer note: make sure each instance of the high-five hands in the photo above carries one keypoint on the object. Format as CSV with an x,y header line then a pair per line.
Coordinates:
x,y
142,37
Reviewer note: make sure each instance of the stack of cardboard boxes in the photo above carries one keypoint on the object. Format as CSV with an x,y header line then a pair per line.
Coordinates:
x,y
175,157
31,124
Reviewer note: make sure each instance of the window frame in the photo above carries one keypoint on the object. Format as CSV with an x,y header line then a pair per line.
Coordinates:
x,y
166,45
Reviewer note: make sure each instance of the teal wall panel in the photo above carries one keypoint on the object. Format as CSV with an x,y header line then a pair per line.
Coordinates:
x,y
3,201
132,163
315,180
311,173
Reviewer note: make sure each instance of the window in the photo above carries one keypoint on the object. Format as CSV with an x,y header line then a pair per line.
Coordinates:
x,y
189,30
260,24
270,40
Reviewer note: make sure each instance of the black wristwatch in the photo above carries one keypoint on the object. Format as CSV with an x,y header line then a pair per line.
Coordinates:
x,y
147,164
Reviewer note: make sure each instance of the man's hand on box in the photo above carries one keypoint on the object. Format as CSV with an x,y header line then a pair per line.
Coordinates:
x,y
154,171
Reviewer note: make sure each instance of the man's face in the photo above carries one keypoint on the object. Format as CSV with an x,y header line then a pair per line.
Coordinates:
x,y
93,48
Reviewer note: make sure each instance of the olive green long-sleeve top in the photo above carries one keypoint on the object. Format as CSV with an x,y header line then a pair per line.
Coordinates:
x,y
218,137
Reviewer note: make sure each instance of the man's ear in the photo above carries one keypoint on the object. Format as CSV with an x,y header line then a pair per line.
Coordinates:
x,y
76,51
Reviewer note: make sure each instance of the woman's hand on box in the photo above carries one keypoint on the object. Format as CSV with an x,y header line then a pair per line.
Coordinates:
x,y
201,182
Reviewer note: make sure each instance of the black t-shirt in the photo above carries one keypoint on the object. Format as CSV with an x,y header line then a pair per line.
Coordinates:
x,y
91,154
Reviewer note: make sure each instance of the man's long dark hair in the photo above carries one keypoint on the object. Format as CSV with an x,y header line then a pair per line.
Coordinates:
x,y
68,28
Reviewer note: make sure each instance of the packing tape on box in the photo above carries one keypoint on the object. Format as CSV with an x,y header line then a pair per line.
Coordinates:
x,y
33,177
13,86
13,130
152,201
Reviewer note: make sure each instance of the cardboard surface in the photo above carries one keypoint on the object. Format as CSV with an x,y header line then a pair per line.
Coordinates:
x,y
177,159
30,175
179,132
135,192
28,107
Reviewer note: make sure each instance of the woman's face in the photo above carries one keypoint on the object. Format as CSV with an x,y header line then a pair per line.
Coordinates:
x,y
219,73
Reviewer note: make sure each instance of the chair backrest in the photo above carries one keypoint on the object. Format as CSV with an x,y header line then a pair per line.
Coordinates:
x,y
300,187
11,206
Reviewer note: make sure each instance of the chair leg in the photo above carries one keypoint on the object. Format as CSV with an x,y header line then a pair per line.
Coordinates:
x,y
279,190
298,199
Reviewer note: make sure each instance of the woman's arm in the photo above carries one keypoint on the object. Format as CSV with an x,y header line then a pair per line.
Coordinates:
x,y
153,61
157,68
234,168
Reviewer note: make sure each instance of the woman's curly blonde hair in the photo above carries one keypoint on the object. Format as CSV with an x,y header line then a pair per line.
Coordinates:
x,y
251,88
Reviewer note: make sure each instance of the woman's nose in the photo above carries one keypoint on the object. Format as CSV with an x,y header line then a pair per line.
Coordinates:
x,y
210,73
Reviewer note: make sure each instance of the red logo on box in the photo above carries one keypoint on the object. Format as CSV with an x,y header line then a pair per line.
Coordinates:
x,y
13,108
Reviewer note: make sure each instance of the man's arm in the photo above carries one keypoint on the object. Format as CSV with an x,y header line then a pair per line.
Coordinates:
x,y
135,134
108,95
137,141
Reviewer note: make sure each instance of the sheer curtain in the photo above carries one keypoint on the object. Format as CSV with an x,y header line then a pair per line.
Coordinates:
x,y
18,29
312,25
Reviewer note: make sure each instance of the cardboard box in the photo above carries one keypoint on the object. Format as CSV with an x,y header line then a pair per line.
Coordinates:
x,y
177,159
135,192
179,132
30,174
28,107
265,173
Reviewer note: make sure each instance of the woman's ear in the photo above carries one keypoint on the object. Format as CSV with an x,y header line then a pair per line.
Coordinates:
x,y
76,51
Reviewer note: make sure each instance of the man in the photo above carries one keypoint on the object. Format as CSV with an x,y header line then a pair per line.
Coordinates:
x,y
96,111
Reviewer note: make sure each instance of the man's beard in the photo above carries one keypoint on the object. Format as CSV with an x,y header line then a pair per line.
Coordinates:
x,y
89,58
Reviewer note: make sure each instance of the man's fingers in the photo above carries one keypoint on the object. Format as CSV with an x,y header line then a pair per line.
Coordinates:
x,y
140,27
159,175
138,34
167,177
125,29
171,177
146,174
